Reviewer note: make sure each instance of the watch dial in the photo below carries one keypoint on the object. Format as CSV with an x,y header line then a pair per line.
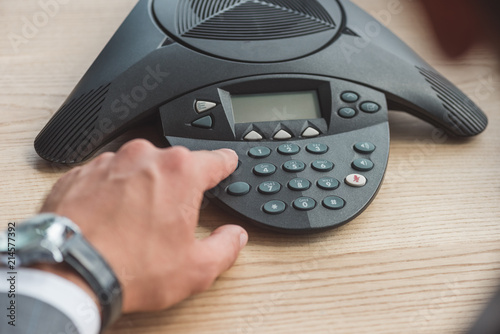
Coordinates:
x,y
24,237
29,234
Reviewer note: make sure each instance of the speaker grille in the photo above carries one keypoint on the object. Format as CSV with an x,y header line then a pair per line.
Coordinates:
x,y
463,112
65,137
251,19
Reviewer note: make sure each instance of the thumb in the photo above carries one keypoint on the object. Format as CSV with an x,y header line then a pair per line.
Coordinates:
x,y
222,247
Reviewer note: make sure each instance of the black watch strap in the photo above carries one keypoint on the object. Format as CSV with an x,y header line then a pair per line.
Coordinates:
x,y
82,257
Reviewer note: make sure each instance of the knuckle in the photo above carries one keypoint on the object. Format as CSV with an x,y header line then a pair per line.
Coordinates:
x,y
104,157
136,146
74,172
67,177
178,159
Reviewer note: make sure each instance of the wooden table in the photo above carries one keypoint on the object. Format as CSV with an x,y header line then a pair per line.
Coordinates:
x,y
423,258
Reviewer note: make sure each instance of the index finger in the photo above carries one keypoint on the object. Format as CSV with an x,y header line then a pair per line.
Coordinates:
x,y
214,166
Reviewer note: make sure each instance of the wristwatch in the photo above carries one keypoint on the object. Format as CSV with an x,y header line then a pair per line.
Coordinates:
x,y
52,239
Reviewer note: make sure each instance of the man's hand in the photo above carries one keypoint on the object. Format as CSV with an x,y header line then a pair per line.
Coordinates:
x,y
139,208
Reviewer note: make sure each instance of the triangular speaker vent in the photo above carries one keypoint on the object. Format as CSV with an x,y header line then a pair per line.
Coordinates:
x,y
240,20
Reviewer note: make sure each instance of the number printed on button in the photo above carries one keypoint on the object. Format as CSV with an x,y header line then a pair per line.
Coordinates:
x,y
304,204
289,149
317,148
328,183
299,184
294,166
264,169
269,188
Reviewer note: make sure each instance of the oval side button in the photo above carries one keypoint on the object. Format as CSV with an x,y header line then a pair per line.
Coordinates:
x,y
238,189
355,180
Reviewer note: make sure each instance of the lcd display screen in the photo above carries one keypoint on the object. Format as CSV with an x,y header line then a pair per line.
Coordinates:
x,y
275,107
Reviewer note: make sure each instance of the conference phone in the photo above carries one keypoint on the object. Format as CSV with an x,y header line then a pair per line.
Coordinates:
x,y
300,89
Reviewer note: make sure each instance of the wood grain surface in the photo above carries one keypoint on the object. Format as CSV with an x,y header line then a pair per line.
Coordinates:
x,y
423,258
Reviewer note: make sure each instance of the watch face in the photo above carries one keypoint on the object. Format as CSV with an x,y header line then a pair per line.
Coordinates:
x,y
31,233
25,236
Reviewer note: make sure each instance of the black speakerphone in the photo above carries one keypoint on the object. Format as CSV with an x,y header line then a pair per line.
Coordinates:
x,y
300,89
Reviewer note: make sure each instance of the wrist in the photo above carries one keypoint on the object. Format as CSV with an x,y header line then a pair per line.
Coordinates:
x,y
66,272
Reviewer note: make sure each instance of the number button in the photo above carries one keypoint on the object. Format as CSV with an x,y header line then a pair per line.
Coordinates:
x,y
299,184
269,188
289,149
322,165
317,148
274,207
333,203
304,204
363,165
264,169
259,152
294,166
238,189
364,147
328,183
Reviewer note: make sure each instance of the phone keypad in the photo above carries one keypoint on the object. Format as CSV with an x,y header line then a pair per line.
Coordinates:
x,y
300,184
